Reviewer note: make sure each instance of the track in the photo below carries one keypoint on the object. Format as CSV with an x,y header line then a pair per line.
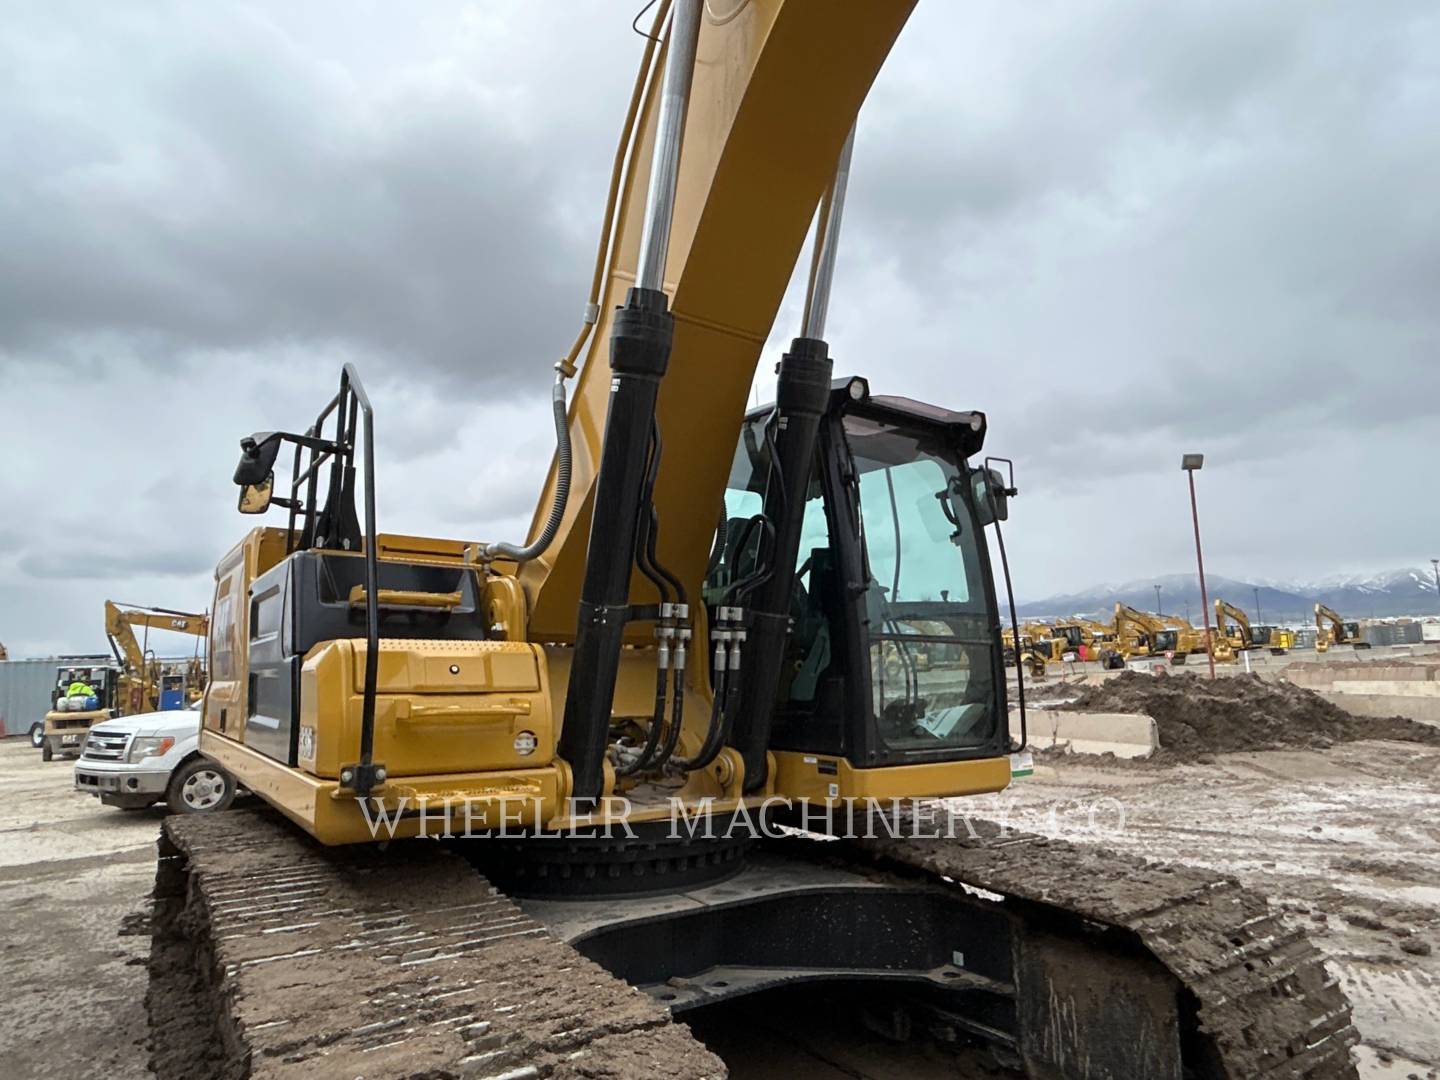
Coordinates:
x,y
1264,1005
407,963
349,962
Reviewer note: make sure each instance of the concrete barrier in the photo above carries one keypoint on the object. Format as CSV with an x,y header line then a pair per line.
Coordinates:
x,y
1375,689
1127,735
1418,701
1323,675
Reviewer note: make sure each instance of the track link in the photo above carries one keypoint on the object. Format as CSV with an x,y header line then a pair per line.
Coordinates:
x,y
1264,1006
276,957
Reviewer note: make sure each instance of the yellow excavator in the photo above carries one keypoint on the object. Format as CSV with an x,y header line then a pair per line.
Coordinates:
x,y
1134,630
1139,633
143,684
1231,640
720,623
1332,629
1178,638
148,685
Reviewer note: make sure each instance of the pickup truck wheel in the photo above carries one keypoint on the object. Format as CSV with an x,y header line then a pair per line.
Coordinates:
x,y
37,734
200,787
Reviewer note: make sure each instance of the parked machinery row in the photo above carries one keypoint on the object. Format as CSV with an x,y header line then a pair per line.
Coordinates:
x,y
1134,633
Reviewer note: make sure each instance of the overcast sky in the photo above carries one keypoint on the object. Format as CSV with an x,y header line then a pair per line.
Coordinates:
x,y
1122,229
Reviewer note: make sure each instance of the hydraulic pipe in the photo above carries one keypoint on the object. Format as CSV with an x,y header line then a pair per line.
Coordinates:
x,y
801,391
669,133
640,342
822,266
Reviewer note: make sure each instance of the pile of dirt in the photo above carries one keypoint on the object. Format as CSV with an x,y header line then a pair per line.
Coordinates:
x,y
1196,715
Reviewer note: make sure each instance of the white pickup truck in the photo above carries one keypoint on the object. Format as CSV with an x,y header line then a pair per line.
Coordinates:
x,y
137,761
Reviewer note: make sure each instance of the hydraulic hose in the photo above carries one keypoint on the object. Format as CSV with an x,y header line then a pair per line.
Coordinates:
x,y
567,366
717,552
652,738
715,733
562,484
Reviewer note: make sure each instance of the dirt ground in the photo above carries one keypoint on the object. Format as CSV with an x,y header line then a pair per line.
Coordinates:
x,y
71,873
1346,840
1196,715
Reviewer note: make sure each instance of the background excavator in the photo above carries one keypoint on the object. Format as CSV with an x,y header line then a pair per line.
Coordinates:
x,y
1179,638
1332,629
1231,640
720,622
1136,631
148,684
144,683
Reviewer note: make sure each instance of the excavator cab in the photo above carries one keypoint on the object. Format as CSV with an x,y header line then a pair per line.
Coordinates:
x,y
895,655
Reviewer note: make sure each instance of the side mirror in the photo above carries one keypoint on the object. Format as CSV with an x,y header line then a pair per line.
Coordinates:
x,y
255,498
257,458
992,497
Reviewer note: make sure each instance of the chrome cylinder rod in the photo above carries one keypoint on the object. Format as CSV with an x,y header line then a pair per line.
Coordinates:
x,y
827,240
669,131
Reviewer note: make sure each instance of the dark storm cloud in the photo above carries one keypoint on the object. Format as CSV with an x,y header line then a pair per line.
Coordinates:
x,y
1120,227
211,185
1168,220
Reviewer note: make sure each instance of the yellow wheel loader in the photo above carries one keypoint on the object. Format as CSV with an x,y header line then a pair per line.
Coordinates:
x,y
1034,652
677,753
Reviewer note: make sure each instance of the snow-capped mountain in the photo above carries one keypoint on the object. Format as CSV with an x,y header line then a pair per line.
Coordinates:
x,y
1358,596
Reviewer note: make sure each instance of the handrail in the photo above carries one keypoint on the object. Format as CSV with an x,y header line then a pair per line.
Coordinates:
x,y
366,774
341,530
1009,491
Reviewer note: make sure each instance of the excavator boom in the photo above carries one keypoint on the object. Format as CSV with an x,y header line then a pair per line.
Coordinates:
x,y
770,111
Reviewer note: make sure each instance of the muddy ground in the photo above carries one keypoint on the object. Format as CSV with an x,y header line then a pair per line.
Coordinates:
x,y
1346,839
1196,715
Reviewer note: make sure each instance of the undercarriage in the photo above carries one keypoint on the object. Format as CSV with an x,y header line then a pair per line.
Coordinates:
x,y
274,956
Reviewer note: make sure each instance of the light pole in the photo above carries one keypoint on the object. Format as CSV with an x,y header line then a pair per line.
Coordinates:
x,y
1258,617
1157,601
1436,564
1190,463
